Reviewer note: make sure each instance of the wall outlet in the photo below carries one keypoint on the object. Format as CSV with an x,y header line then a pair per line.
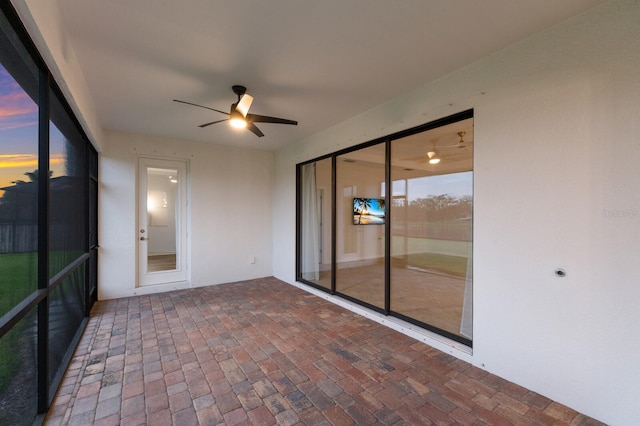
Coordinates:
x,y
252,259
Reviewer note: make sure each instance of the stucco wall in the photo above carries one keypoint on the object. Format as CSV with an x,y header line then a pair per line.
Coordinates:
x,y
230,212
557,128
556,185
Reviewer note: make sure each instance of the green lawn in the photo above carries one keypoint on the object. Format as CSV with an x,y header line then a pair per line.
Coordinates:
x,y
451,265
446,256
18,279
19,271
408,245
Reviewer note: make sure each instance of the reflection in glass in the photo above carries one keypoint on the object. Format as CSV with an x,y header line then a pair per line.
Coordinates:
x,y
360,237
431,228
162,202
315,257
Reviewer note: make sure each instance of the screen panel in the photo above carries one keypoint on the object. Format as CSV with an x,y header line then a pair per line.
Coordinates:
x,y
18,170
18,372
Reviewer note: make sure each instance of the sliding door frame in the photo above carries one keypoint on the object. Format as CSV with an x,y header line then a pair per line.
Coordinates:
x,y
388,141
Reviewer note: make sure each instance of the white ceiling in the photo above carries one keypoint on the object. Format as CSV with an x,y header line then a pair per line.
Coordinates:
x,y
317,62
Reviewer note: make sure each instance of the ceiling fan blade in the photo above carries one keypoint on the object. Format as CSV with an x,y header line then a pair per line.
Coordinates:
x,y
254,129
244,104
213,122
254,118
201,106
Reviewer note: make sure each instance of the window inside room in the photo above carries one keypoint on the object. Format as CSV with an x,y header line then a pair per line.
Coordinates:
x,y
403,214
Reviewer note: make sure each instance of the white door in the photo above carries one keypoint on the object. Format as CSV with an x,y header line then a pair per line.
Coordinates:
x,y
162,222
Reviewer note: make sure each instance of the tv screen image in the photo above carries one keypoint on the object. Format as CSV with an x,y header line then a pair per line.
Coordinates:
x,y
368,211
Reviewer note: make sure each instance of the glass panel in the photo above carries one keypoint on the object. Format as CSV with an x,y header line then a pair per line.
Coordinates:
x,y
360,237
65,316
431,220
18,373
162,203
66,190
18,171
315,232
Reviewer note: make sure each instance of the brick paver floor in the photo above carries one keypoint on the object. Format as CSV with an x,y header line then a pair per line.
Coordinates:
x,y
263,352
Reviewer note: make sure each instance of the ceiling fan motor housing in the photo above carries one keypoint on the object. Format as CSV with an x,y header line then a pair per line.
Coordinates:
x,y
239,90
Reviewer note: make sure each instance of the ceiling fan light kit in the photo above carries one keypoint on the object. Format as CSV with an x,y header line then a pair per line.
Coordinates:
x,y
239,116
244,104
434,158
237,119
433,155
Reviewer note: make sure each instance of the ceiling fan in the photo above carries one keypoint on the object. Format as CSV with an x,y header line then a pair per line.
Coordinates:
x,y
434,154
239,116
450,151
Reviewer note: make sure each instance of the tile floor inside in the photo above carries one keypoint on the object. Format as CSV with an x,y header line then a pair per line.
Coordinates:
x,y
262,352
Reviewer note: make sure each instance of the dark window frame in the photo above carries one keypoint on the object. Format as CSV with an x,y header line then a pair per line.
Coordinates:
x,y
46,286
387,140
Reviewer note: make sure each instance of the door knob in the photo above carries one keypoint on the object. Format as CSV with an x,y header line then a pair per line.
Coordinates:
x,y
143,239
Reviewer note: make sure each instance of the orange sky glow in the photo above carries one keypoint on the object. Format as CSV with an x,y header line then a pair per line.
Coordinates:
x,y
19,135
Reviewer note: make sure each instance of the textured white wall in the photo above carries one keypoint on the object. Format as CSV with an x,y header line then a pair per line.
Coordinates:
x,y
557,128
556,185
230,204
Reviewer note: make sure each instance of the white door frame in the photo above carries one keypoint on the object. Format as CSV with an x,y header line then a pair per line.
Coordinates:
x,y
178,277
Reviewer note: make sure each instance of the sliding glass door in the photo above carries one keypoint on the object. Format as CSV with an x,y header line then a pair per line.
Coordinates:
x,y
360,218
431,229
400,211
315,223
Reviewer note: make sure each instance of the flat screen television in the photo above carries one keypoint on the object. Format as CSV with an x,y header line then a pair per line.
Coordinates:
x,y
368,211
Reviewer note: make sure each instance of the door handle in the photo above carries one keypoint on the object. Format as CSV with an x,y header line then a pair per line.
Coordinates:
x,y
143,239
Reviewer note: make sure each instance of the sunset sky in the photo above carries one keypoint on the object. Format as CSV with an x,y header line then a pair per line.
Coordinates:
x,y
19,134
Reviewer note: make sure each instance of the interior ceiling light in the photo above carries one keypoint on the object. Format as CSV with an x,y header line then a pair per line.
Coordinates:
x,y
434,156
239,110
236,119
